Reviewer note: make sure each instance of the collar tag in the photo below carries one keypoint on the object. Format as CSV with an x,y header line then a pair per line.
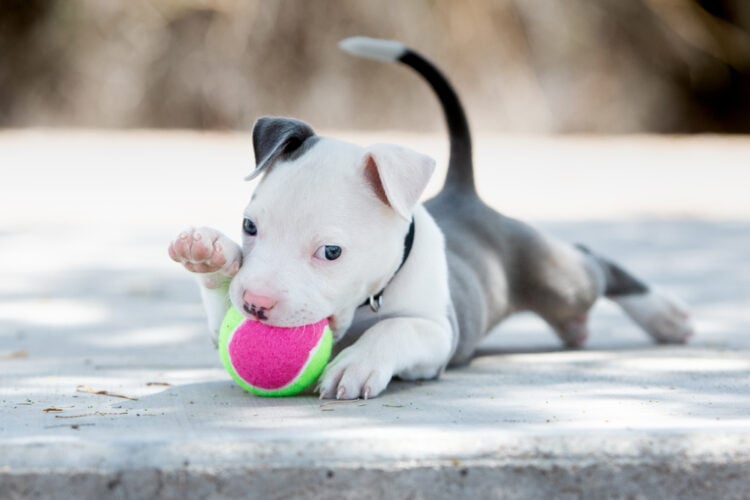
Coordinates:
x,y
375,302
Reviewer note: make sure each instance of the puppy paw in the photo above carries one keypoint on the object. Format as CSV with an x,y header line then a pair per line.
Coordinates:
x,y
664,317
208,252
352,375
573,332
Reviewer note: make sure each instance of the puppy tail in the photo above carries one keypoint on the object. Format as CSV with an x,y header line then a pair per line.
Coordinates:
x,y
460,165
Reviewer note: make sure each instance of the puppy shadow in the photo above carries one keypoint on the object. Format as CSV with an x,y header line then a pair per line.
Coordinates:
x,y
228,393
483,352
646,346
215,393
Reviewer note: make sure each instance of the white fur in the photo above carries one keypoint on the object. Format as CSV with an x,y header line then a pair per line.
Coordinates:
x,y
361,199
326,197
373,48
414,338
403,174
214,268
663,316
322,198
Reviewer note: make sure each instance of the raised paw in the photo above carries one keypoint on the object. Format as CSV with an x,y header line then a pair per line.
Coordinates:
x,y
353,376
206,251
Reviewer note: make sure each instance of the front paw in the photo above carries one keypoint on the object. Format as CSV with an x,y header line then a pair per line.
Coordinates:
x,y
206,251
354,374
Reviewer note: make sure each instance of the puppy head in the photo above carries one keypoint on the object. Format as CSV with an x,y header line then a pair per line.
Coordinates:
x,y
325,227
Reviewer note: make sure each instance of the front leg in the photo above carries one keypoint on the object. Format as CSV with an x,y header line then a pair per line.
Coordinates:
x,y
411,348
214,259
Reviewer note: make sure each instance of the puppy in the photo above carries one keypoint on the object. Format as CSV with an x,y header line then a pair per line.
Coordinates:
x,y
335,230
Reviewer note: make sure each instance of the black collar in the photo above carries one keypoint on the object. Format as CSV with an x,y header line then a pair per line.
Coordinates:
x,y
375,301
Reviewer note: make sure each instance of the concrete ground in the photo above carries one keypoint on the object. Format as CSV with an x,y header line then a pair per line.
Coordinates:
x,y
109,386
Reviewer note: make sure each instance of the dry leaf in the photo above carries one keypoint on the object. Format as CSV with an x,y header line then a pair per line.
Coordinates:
x,y
95,414
340,402
51,409
71,426
15,355
87,389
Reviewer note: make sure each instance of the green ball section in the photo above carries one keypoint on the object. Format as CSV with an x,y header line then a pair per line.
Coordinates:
x,y
309,375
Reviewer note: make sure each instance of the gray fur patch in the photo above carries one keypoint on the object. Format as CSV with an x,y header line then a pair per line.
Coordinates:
x,y
618,281
275,138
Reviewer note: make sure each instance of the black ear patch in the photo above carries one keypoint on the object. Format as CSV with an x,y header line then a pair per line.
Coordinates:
x,y
275,138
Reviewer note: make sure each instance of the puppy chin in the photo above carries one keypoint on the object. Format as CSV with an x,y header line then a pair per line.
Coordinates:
x,y
340,322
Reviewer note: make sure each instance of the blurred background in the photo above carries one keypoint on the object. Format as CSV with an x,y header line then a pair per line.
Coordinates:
x,y
530,66
605,122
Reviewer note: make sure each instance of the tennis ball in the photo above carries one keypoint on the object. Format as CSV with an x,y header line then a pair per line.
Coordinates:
x,y
270,360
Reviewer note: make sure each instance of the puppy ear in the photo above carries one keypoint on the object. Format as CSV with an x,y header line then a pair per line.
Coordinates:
x,y
274,138
398,175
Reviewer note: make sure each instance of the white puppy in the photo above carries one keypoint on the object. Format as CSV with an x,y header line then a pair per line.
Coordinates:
x,y
324,232
335,231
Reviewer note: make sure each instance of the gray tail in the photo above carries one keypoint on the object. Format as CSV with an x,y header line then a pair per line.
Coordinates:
x,y
460,165
617,281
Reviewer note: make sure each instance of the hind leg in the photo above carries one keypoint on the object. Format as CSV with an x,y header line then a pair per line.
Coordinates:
x,y
665,318
561,282
574,331
561,285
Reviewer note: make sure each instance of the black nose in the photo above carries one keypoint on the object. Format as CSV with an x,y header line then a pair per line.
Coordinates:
x,y
257,312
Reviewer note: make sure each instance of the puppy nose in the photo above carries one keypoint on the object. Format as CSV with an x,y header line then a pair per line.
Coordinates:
x,y
258,301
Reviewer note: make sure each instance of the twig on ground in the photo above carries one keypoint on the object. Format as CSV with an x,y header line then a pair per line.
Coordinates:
x,y
94,414
15,355
89,390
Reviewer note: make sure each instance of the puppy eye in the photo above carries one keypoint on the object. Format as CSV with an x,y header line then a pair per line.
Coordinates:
x,y
249,228
328,252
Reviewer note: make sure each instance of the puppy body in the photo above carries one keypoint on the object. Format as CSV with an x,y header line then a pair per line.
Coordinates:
x,y
333,230
362,200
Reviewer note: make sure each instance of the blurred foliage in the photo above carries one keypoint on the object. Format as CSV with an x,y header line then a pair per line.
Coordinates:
x,y
520,65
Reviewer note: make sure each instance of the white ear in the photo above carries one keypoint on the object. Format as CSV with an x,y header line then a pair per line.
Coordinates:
x,y
398,175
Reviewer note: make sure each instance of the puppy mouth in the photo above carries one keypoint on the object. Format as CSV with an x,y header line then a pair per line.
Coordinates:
x,y
332,322
261,314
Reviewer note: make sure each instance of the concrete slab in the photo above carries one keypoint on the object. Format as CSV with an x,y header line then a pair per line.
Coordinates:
x,y
90,302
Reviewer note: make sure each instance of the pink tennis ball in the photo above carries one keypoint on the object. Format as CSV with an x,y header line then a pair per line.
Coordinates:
x,y
270,360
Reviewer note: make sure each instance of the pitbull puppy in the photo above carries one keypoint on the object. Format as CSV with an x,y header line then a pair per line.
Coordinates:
x,y
335,230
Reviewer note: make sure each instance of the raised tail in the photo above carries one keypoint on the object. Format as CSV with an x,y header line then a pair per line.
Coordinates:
x,y
460,166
